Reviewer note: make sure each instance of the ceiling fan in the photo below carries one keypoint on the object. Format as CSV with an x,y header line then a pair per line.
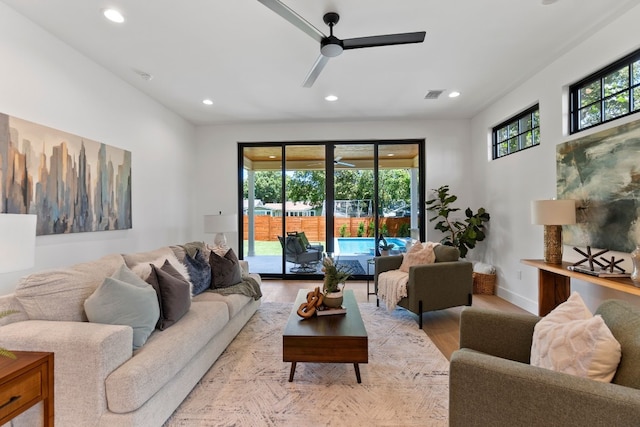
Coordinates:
x,y
336,161
331,46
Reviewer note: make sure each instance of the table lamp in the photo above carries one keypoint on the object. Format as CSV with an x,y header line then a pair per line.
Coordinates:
x,y
553,214
220,224
18,242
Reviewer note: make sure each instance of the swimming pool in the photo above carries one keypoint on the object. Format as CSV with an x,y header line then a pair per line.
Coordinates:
x,y
365,245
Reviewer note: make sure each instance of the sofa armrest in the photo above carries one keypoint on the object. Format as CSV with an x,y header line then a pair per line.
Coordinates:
x,y
505,335
486,390
84,355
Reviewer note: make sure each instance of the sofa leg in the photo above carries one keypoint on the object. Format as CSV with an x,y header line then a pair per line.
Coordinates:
x,y
470,299
420,314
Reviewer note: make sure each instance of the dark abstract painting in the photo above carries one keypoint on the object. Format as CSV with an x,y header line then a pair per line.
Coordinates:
x,y
71,183
602,173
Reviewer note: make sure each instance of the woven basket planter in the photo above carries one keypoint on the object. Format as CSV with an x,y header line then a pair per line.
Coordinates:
x,y
484,283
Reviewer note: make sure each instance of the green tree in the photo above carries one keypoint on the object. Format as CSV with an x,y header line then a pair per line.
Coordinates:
x,y
306,186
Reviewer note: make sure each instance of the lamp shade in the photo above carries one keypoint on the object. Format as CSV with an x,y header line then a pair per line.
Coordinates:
x,y
17,242
553,212
220,223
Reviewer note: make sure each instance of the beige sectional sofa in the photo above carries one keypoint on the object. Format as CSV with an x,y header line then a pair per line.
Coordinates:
x,y
99,379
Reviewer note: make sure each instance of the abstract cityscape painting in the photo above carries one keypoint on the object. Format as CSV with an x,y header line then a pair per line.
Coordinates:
x,y
73,184
601,172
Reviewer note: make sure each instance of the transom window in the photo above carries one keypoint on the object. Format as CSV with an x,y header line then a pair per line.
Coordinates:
x,y
608,94
517,133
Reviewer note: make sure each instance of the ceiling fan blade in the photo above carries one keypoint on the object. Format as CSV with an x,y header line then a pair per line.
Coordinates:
x,y
287,13
315,70
337,159
386,40
345,164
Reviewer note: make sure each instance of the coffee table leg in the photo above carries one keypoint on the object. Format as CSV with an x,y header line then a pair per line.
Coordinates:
x,y
293,371
357,368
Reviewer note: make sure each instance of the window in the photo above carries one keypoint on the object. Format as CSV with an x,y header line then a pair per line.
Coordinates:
x,y
517,133
606,95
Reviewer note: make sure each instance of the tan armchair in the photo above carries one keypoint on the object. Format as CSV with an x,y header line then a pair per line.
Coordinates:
x,y
446,283
491,382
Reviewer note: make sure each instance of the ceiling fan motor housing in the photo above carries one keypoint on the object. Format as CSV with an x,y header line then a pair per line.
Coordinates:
x,y
331,46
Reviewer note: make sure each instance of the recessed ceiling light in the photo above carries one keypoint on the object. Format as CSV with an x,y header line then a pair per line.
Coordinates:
x,y
390,155
113,15
272,156
207,102
331,98
454,94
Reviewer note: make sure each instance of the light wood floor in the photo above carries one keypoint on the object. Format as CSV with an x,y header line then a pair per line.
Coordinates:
x,y
441,326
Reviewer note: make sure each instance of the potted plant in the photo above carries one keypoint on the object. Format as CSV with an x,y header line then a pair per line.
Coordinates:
x,y
384,246
461,234
334,275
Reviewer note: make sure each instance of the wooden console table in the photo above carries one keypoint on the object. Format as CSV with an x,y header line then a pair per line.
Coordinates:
x,y
554,283
24,382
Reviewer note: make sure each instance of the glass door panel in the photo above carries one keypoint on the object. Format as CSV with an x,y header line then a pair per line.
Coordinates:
x,y
304,219
398,193
354,205
262,214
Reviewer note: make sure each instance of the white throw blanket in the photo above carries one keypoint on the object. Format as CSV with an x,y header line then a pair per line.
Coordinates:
x,y
392,287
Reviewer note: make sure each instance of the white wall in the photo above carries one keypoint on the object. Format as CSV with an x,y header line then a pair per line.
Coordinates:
x,y
446,142
506,186
46,82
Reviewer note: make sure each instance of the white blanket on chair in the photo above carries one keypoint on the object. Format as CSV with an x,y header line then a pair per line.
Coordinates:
x,y
392,287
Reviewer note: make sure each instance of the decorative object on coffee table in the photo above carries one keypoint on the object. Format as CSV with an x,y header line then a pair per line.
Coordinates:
x,y
314,300
334,275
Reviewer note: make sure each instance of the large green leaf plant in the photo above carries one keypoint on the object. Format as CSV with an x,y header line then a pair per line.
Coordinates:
x,y
462,234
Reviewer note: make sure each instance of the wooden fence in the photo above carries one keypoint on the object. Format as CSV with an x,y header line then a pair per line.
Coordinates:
x,y
268,228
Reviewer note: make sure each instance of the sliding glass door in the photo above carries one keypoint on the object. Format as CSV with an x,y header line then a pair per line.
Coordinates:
x,y
301,201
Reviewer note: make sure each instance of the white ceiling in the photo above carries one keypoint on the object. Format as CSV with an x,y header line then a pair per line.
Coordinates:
x,y
252,62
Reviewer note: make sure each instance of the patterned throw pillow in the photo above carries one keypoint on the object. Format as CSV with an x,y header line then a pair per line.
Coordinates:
x,y
419,254
199,272
571,340
225,271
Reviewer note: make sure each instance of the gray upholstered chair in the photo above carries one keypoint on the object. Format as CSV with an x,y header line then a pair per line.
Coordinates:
x,y
448,282
305,258
491,382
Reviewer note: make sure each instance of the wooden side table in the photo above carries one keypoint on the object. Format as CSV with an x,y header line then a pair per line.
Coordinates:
x,y
24,382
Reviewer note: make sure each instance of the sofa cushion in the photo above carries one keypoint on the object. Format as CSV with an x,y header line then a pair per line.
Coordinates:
x,y
199,271
571,340
235,302
59,294
445,253
225,271
116,302
165,354
173,294
623,319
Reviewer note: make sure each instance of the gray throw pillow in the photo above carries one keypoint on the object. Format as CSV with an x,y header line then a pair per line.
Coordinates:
x,y
125,274
225,271
173,294
116,302
199,272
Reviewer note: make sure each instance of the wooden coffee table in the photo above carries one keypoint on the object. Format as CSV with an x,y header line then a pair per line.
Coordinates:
x,y
339,338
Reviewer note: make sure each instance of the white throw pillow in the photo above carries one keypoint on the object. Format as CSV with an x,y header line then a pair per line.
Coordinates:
x,y
571,340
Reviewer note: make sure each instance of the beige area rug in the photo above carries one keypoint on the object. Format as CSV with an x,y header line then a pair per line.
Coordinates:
x,y
405,383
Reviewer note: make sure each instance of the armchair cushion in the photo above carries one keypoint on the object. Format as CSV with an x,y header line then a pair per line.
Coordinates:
x,y
445,253
571,340
420,253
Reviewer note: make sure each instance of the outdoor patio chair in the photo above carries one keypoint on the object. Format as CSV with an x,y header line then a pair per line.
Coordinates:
x,y
304,258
